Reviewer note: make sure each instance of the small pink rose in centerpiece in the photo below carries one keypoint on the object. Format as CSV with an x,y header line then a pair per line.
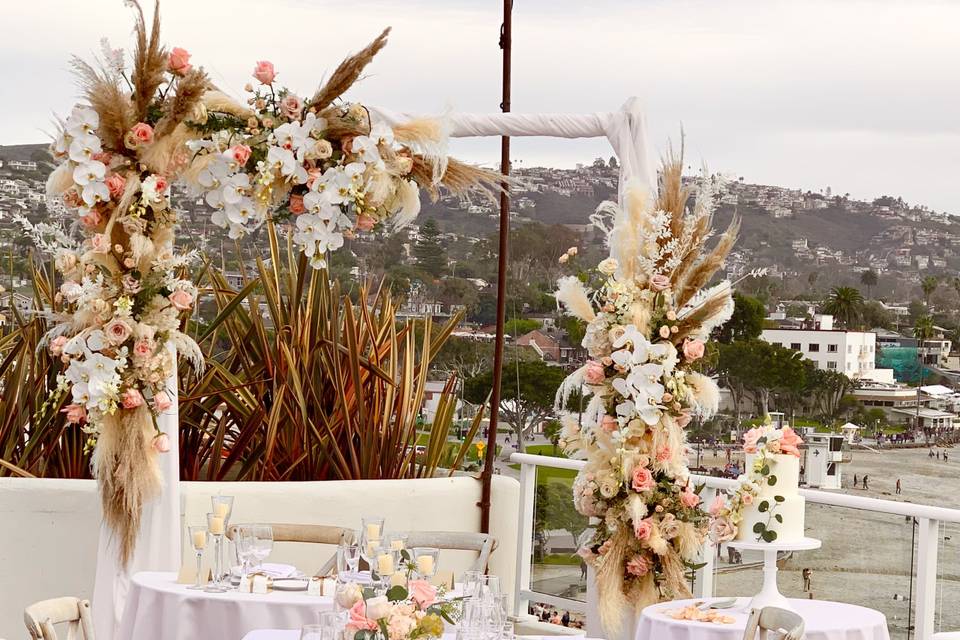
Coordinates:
x,y
719,504
178,61
642,479
117,331
240,153
609,424
594,372
264,72
296,204
422,593
56,345
365,222
291,106
161,443
638,566
181,299
693,350
790,442
357,619
116,184
139,136
131,399
689,499
643,528
750,439
659,282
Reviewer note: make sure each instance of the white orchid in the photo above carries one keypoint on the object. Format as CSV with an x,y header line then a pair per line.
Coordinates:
x,y
213,175
318,203
287,164
235,187
316,237
83,147
90,171
366,149
82,120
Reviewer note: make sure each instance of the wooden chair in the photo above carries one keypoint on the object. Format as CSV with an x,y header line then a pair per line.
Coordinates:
x,y
309,533
41,617
773,619
483,543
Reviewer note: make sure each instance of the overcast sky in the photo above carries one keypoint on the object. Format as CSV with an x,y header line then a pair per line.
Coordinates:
x,y
859,96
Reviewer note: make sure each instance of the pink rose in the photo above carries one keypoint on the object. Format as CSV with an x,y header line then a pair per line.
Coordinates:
x,y
240,153
118,331
722,530
358,620
143,348
76,413
693,350
747,499
161,183
642,479
296,204
312,176
659,282
72,198
719,504
643,528
131,399
365,222
594,372
131,284
750,439
181,299
638,566
104,156
100,243
291,106
664,332
689,499
264,72
161,401
140,135
56,345
422,592
683,419
178,61
790,442
116,183
161,443
90,219
664,454
609,424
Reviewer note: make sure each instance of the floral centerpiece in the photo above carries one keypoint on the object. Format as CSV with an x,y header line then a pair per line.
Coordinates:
x,y
726,511
403,613
647,320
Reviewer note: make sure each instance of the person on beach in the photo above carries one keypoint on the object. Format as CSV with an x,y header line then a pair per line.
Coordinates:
x,y
854,481
807,573
898,486
865,480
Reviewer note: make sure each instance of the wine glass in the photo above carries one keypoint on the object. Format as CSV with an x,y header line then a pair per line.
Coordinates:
x,y
215,528
262,541
348,560
397,541
198,538
245,542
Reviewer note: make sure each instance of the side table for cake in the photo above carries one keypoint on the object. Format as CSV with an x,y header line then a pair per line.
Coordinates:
x,y
769,595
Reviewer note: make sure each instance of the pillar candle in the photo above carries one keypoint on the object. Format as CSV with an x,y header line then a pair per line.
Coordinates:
x,y
425,565
385,564
216,525
199,539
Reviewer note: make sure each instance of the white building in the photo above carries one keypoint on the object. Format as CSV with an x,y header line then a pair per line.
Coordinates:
x,y
852,353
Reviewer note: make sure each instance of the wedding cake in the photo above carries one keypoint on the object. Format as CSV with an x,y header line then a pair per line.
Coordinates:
x,y
765,506
777,507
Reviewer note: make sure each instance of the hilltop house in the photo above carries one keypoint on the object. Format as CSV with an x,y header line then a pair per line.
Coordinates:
x,y
552,347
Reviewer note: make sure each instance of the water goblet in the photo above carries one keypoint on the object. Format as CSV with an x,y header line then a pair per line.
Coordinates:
x,y
311,632
198,538
348,560
215,528
262,541
245,543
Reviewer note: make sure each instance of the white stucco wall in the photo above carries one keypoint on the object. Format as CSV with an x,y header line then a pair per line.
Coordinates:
x,y
48,528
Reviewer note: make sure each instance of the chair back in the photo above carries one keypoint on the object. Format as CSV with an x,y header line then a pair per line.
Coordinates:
x,y
773,619
482,543
41,617
309,533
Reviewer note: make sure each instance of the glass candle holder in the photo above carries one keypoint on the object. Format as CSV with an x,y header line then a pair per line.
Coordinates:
x,y
222,506
215,527
198,539
372,528
425,560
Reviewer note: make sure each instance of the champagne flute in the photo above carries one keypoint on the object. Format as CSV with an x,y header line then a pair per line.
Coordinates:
x,y
222,506
198,538
215,527
262,541
244,539
348,560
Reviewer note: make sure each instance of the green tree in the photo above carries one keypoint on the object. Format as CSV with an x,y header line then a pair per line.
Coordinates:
x,y
874,315
746,322
828,388
928,285
551,431
527,392
429,251
458,291
516,327
869,279
575,328
846,305
761,370
560,513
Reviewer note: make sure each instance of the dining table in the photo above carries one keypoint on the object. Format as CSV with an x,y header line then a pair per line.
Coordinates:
x,y
823,620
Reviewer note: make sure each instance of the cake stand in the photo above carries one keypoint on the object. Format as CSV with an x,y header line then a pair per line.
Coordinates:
x,y
769,595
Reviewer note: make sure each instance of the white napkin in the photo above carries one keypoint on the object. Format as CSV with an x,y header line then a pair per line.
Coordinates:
x,y
276,570
360,577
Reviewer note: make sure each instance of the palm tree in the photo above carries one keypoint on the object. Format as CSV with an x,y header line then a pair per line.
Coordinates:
x,y
922,331
845,304
869,279
928,285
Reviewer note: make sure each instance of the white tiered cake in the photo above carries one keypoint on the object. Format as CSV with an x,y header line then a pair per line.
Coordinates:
x,y
790,506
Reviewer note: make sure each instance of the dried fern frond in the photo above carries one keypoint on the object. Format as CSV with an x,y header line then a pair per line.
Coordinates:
x,y
710,264
699,234
179,107
673,196
149,61
347,73
705,314
102,90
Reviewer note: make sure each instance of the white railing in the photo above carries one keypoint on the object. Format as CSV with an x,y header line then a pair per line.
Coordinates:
x,y
928,520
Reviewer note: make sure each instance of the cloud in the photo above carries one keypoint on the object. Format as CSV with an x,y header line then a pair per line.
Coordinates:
x,y
852,94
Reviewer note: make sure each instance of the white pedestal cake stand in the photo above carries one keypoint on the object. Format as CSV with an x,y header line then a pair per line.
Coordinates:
x,y
769,595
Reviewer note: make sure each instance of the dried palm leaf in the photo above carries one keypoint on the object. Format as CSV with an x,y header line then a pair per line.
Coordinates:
x,y
181,106
149,61
701,273
347,73
105,95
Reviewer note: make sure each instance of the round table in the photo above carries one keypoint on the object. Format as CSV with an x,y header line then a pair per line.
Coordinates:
x,y
160,609
823,621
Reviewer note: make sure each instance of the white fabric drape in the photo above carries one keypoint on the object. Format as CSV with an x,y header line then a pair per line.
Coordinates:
x,y
626,130
158,545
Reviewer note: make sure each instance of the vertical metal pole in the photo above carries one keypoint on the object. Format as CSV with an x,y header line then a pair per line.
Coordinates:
x,y
925,600
505,40
525,526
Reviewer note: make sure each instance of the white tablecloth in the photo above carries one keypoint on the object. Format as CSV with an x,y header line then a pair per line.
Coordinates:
x,y
160,609
294,634
823,620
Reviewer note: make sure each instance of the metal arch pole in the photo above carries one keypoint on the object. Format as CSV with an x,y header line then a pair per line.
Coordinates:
x,y
505,45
